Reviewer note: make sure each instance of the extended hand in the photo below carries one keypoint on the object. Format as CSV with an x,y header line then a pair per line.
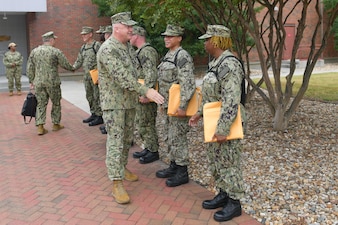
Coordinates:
x,y
155,96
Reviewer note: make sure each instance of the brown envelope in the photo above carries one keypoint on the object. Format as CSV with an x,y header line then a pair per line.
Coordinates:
x,y
95,75
174,101
211,114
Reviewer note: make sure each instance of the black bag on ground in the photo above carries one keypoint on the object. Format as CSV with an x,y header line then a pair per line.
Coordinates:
x,y
29,107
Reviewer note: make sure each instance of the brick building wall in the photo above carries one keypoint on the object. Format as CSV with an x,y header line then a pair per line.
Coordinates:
x,y
65,18
311,21
330,52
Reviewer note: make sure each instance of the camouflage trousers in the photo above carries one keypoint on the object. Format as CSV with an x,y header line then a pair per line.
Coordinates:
x,y
14,77
43,94
93,96
225,165
120,126
146,125
177,129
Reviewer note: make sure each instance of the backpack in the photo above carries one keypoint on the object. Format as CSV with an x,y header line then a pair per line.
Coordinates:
x,y
29,107
83,48
243,92
141,61
175,59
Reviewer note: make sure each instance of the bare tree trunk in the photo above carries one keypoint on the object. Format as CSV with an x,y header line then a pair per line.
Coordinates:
x,y
264,21
279,121
272,46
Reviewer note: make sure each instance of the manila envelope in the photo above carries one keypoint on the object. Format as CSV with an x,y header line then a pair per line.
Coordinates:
x,y
174,101
211,114
95,75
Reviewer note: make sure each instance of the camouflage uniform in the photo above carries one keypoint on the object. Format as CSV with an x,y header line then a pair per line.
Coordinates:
x,y
119,92
42,71
107,32
87,59
13,73
225,85
101,33
146,113
177,68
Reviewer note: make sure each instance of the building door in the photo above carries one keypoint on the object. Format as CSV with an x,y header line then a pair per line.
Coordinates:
x,y
13,27
289,40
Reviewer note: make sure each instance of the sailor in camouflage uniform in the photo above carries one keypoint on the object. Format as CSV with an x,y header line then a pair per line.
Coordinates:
x,y
13,62
177,67
100,32
119,91
42,71
87,59
223,83
107,32
146,113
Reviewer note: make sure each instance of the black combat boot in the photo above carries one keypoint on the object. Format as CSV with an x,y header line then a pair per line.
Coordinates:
x,y
89,119
103,129
219,200
141,153
230,210
149,157
181,177
168,172
98,120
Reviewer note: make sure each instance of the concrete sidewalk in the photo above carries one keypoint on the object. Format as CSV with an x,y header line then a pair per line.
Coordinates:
x,y
72,91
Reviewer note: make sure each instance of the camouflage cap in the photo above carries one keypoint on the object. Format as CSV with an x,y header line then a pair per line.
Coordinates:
x,y
124,18
87,30
48,35
108,29
11,44
216,30
139,31
101,30
172,30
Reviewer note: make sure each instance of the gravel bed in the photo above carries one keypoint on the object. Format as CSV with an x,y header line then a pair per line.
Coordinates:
x,y
291,177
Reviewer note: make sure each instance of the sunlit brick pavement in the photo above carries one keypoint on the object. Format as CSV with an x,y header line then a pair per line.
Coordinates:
x,y
60,178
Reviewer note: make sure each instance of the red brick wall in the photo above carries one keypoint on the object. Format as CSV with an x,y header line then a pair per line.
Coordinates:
x,y
305,44
330,51
65,18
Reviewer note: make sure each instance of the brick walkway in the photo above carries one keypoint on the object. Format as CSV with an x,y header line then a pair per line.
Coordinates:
x,y
60,178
